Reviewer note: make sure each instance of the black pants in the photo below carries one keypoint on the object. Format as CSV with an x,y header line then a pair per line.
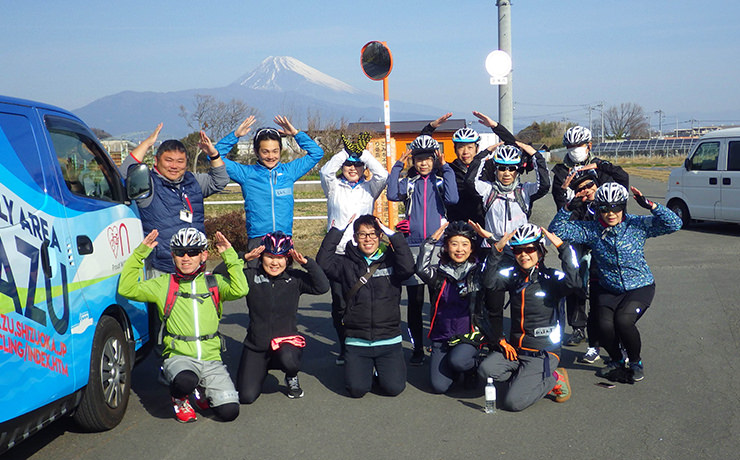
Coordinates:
x,y
337,306
253,367
618,316
414,314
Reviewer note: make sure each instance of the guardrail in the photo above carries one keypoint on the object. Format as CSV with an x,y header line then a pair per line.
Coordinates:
x,y
297,200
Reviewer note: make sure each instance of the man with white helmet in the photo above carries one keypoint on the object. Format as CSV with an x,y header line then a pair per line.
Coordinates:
x,y
567,176
189,306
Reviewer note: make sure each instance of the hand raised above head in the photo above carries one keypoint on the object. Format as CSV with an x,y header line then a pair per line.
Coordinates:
x,y
287,127
244,127
440,120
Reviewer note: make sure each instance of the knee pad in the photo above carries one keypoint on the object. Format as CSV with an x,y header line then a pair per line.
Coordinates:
x,y
183,384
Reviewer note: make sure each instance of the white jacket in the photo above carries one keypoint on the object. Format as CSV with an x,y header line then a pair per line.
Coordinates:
x,y
343,200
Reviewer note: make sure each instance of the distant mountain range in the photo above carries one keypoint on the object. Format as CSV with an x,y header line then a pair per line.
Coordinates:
x,y
279,85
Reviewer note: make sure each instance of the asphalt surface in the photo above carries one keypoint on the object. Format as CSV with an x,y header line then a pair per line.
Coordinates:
x,y
686,407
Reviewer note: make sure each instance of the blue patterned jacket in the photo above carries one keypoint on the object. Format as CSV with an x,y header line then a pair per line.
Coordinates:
x,y
618,251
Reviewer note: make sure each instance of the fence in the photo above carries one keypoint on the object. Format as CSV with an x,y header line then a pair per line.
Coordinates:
x,y
297,200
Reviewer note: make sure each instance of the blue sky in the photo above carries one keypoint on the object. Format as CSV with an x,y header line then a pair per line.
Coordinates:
x,y
677,56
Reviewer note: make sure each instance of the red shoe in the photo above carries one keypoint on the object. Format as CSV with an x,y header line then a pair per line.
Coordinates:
x,y
183,410
199,396
561,390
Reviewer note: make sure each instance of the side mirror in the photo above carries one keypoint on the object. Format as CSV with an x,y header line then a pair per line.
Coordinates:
x,y
687,164
138,182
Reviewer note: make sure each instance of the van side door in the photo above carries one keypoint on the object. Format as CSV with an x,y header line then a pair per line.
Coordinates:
x,y
730,184
702,180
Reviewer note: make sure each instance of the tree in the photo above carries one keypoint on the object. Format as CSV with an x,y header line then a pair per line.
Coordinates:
x,y
627,120
544,132
216,118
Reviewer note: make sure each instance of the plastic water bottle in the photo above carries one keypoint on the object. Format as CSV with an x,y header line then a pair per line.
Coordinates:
x,y
490,397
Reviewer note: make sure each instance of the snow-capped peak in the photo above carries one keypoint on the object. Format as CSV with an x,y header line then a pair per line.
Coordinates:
x,y
285,73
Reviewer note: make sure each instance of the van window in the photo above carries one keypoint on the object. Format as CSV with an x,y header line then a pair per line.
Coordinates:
x,y
84,167
705,157
23,154
733,156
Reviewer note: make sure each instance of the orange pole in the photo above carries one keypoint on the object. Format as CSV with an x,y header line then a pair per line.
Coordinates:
x,y
389,160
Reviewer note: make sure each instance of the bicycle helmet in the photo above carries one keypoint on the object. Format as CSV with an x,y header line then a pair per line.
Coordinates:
x,y
465,136
423,145
277,243
460,228
611,193
189,238
575,136
583,175
507,155
526,234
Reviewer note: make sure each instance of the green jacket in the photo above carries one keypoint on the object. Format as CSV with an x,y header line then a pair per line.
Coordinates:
x,y
189,317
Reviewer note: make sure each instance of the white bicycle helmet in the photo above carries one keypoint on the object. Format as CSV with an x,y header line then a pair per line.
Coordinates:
x,y
465,136
611,193
526,234
575,136
423,144
188,238
507,155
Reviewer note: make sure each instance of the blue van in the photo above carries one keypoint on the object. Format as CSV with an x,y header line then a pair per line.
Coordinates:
x,y
68,341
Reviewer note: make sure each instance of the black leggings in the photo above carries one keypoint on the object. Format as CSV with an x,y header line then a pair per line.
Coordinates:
x,y
185,382
618,315
337,306
414,314
254,365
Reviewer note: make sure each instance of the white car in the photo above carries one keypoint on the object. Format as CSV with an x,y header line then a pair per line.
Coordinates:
x,y
707,186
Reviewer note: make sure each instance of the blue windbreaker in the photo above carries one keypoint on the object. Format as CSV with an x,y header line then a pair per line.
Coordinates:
x,y
618,251
268,193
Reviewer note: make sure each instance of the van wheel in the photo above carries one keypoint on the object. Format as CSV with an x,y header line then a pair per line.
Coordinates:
x,y
106,395
681,211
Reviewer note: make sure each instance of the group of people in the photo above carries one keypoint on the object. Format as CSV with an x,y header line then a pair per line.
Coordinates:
x,y
466,236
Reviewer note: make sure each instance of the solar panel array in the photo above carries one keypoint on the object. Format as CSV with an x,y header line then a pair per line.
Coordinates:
x,y
647,147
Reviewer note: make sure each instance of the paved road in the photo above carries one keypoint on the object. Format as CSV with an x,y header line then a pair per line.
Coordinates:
x,y
687,406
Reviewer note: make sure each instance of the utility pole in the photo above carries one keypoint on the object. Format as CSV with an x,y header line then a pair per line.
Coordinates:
x,y
589,119
505,92
660,122
601,106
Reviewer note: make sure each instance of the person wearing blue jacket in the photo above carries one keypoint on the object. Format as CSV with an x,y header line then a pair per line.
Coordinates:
x,y
426,191
267,187
626,285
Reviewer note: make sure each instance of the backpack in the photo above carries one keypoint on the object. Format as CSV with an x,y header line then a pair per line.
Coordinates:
x,y
518,197
173,291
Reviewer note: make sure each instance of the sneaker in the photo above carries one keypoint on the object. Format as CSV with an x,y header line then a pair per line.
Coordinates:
x,y
609,369
340,360
625,358
294,387
578,336
592,355
199,396
561,390
183,410
638,372
417,358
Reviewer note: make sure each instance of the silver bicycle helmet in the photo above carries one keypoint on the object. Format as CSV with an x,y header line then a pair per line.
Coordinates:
x,y
465,136
507,155
188,238
424,143
575,136
526,234
611,193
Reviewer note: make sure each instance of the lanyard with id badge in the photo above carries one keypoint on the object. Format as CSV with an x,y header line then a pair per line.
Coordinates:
x,y
186,214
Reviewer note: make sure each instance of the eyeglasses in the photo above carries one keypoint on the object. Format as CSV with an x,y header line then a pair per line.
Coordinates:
x,y
520,249
588,184
613,207
191,252
367,236
265,131
507,168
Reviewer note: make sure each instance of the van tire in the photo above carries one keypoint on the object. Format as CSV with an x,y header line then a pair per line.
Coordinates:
x,y
105,397
678,207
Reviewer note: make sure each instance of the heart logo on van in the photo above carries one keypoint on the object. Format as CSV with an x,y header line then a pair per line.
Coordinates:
x,y
114,238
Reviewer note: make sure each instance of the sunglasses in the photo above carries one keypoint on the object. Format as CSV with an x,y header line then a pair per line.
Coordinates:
x,y
583,187
615,207
520,249
191,252
507,168
356,164
264,131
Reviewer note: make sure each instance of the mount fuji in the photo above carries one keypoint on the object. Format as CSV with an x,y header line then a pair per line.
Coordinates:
x,y
279,85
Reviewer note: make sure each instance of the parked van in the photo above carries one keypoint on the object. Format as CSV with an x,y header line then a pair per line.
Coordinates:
x,y
67,339
707,186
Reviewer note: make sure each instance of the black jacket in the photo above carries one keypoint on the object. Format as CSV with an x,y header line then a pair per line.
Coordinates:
x,y
605,171
273,301
535,298
373,313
